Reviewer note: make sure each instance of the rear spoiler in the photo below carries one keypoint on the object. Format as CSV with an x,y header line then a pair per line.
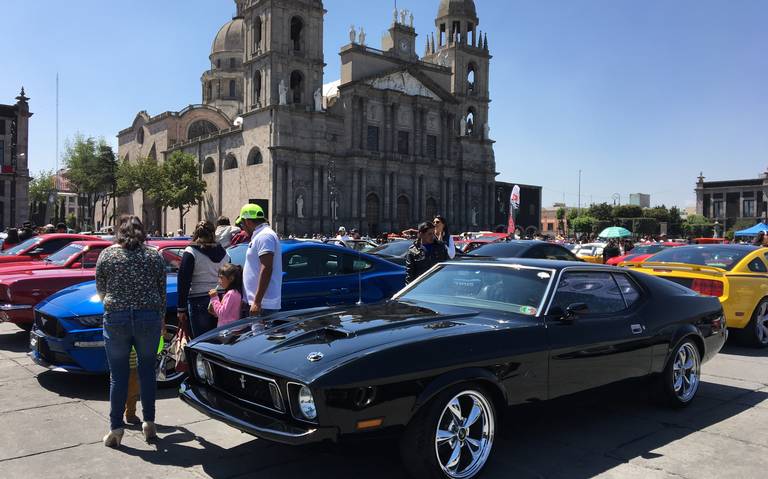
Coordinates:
x,y
710,270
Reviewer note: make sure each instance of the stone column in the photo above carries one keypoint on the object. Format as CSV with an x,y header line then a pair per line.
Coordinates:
x,y
291,206
394,199
315,192
387,201
363,195
325,194
354,198
279,190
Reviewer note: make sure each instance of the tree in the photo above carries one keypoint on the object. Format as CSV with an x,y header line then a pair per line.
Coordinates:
x,y
658,213
627,211
91,168
41,186
561,213
584,224
602,212
181,185
698,226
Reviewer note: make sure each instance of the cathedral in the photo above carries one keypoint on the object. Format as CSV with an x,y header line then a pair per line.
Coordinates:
x,y
397,139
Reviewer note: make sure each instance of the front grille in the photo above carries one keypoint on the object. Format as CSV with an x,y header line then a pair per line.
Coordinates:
x,y
247,386
53,357
49,325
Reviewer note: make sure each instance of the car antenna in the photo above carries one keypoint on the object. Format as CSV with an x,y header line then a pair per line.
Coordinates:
x,y
359,281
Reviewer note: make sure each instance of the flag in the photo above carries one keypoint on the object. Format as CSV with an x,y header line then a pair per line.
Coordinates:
x,y
514,207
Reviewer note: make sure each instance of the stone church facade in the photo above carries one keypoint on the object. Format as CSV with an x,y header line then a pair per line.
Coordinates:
x,y
398,139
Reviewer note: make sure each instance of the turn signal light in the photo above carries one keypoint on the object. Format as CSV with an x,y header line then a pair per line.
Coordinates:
x,y
708,287
370,423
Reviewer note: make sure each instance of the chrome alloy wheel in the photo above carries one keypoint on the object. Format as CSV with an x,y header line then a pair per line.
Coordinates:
x,y
686,370
761,323
464,436
166,364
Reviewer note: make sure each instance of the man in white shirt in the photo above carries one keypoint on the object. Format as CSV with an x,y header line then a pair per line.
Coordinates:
x,y
343,234
263,271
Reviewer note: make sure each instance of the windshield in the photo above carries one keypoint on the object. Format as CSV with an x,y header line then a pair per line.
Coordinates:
x,y
513,289
21,247
237,254
63,255
725,257
500,250
398,248
647,249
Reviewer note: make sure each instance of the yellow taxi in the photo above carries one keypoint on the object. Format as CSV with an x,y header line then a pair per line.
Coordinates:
x,y
736,274
590,252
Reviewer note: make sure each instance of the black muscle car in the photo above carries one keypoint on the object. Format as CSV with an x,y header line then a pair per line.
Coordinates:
x,y
441,361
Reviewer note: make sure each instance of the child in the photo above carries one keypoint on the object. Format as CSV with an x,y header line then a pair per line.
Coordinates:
x,y
228,308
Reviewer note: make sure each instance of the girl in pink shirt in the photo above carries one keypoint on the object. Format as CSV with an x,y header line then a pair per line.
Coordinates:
x,y
227,309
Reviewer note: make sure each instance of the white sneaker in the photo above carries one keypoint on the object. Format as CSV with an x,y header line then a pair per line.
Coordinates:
x,y
114,438
150,430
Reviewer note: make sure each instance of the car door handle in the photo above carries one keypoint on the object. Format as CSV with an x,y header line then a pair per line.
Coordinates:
x,y
637,329
340,291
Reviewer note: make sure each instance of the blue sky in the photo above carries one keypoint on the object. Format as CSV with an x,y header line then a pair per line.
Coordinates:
x,y
640,95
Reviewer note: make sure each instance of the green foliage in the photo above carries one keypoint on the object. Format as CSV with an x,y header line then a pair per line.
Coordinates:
x,y
602,212
584,224
182,186
561,213
646,226
72,221
698,220
41,186
573,213
627,211
91,170
658,213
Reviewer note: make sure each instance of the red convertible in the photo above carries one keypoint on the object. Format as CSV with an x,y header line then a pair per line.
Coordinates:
x,y
76,255
642,252
20,291
40,247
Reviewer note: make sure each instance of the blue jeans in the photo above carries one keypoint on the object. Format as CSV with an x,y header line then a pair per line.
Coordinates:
x,y
200,320
123,330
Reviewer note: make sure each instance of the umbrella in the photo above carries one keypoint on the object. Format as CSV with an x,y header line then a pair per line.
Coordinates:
x,y
753,231
615,232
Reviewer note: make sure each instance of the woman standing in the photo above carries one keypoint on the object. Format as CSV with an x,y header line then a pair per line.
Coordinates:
x,y
130,278
198,274
444,236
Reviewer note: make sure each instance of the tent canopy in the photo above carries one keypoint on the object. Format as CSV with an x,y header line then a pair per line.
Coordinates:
x,y
753,231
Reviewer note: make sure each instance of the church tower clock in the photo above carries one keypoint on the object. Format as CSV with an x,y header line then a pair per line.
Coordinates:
x,y
283,51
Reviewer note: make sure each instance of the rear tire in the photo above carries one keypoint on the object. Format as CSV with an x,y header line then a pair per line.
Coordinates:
x,y
682,376
756,332
167,376
452,436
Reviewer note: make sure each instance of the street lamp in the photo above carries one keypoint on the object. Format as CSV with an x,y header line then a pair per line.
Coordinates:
x,y
616,199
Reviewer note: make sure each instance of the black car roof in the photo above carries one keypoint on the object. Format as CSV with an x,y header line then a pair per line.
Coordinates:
x,y
535,263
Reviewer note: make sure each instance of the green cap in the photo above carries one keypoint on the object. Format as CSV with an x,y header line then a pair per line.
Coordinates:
x,y
250,212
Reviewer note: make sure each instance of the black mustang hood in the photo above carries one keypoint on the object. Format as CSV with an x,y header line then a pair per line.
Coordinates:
x,y
284,345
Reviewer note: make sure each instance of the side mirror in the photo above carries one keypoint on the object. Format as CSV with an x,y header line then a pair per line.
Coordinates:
x,y
77,265
36,252
574,310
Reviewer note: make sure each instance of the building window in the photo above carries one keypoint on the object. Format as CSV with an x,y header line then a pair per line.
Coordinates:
x,y
403,138
232,63
232,88
209,166
471,77
297,87
257,34
471,122
257,88
749,209
218,63
2,187
2,152
230,162
296,29
373,138
717,209
201,128
255,158
431,146
2,127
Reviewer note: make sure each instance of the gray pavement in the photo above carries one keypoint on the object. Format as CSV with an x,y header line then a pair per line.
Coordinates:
x,y
51,425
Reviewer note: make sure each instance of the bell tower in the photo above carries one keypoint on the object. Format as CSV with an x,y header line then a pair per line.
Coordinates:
x,y
283,51
459,44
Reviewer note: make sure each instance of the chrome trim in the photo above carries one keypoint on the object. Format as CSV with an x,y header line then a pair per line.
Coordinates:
x,y
253,375
14,307
290,404
552,271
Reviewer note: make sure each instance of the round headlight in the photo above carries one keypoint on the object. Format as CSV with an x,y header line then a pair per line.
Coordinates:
x,y
307,403
200,368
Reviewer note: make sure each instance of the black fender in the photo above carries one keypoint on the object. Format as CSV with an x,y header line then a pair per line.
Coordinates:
x,y
683,332
459,376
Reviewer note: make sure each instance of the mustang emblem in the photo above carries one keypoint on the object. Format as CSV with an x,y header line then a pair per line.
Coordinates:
x,y
242,381
314,357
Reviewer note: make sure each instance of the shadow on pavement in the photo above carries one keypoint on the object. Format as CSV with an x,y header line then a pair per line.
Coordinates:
x,y
15,342
735,349
85,386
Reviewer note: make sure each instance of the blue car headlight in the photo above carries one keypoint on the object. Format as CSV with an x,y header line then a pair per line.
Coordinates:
x,y
94,321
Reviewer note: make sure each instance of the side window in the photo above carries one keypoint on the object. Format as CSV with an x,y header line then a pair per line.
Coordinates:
x,y
354,264
298,265
90,257
558,253
757,266
597,290
50,247
628,289
330,264
172,258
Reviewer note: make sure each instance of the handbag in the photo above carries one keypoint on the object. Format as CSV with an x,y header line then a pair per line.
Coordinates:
x,y
178,344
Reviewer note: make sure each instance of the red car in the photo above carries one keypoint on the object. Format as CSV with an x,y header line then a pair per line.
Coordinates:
x,y
40,247
20,291
76,255
641,253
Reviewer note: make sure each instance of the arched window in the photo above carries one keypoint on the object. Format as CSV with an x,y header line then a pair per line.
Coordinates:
x,y
140,135
230,162
372,213
209,166
297,87
471,122
403,213
200,128
257,88
471,81
209,90
153,154
257,34
254,157
296,29
431,208
232,88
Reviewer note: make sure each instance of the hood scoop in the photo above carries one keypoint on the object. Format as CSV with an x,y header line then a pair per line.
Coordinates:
x,y
326,334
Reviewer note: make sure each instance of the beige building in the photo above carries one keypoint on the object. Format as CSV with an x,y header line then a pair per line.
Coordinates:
x,y
14,172
397,139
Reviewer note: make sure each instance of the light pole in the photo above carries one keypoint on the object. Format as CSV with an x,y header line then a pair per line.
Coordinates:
x,y
616,199
579,209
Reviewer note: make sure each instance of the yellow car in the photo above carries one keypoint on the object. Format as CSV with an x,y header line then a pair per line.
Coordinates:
x,y
591,253
736,274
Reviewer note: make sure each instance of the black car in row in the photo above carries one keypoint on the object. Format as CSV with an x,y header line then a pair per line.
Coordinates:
x,y
441,361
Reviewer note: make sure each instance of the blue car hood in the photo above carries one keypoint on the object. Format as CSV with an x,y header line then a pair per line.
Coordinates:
x,y
83,300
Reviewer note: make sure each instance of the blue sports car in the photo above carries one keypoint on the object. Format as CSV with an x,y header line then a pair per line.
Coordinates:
x,y
67,332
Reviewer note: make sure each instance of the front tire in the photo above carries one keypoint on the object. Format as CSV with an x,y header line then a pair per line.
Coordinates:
x,y
452,437
682,376
757,329
167,376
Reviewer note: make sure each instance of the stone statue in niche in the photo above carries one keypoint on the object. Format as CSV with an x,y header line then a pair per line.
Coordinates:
x,y
403,14
410,18
283,91
335,209
394,13
463,126
362,36
486,131
300,206
319,99
474,216
352,34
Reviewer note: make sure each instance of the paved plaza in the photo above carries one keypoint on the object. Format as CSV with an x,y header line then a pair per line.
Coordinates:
x,y
51,425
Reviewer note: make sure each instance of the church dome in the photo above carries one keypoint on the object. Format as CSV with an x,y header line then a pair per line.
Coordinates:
x,y
457,8
229,38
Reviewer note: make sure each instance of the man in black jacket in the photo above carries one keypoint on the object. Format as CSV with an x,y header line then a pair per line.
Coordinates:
x,y
425,252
